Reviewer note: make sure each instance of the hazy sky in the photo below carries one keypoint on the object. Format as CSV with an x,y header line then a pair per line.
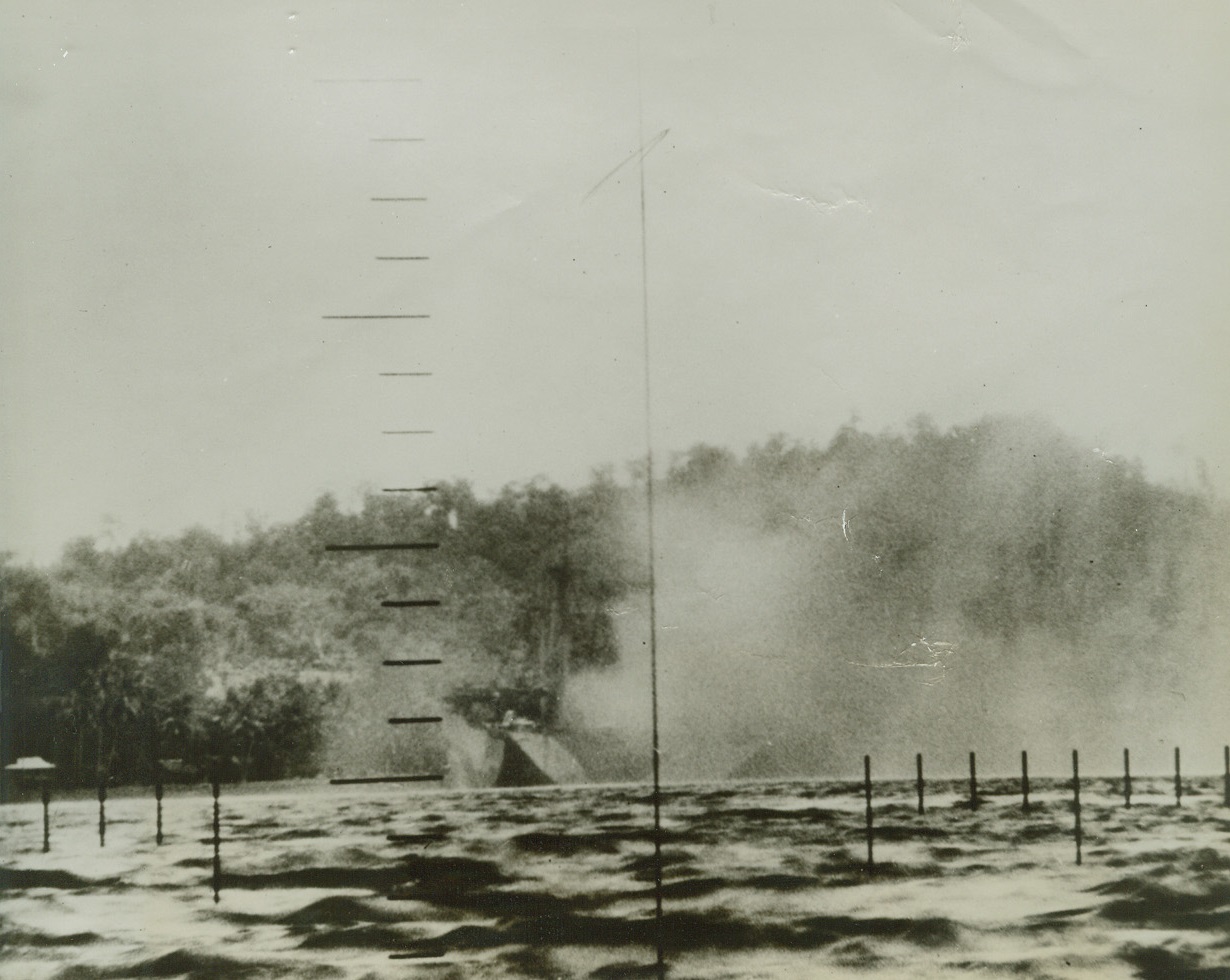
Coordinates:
x,y
872,209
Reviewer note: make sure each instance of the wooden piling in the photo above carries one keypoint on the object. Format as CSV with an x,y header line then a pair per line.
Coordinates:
x,y
867,794
918,761
1076,801
1178,779
1127,779
158,812
1024,780
46,819
973,782
102,811
217,840
155,762
1226,777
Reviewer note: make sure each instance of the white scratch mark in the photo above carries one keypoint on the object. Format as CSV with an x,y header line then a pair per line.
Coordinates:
x,y
824,207
811,522
913,658
958,38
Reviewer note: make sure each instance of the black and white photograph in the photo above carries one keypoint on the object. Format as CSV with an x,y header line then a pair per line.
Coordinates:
x,y
530,490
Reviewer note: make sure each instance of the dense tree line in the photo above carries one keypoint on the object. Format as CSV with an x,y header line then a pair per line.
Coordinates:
x,y
240,655
233,655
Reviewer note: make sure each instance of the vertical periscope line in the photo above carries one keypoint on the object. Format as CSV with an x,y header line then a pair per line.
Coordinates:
x,y
653,612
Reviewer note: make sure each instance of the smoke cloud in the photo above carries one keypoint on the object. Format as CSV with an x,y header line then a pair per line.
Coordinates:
x,y
991,589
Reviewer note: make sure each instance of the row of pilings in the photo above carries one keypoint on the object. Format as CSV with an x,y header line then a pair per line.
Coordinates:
x,y
975,800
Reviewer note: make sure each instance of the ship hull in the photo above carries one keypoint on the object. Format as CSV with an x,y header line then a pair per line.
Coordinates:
x,y
480,758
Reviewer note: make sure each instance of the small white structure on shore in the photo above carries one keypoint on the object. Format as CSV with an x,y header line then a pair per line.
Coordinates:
x,y
33,770
30,764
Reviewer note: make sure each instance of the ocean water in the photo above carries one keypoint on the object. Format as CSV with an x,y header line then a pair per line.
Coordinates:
x,y
761,880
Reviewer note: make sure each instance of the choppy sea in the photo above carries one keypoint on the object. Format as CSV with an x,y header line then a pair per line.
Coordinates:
x,y
764,879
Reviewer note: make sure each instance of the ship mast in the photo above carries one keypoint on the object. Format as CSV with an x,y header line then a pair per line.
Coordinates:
x,y
554,649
